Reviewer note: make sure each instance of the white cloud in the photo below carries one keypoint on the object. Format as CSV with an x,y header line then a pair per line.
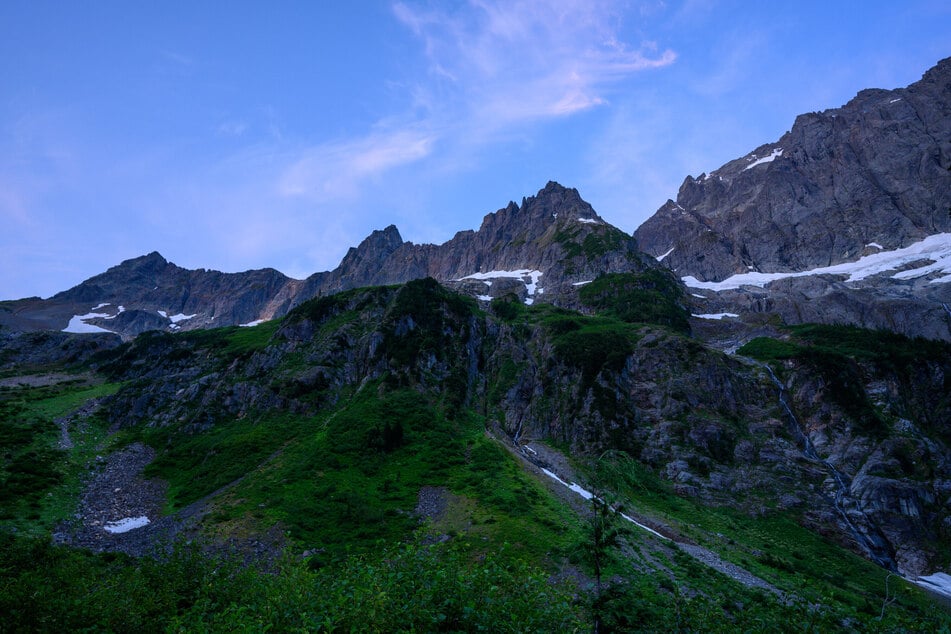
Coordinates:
x,y
336,170
510,62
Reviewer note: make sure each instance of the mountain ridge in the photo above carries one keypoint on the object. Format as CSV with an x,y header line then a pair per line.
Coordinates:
x,y
554,236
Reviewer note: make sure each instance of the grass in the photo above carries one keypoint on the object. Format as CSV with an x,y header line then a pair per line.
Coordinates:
x,y
775,546
339,484
651,297
39,482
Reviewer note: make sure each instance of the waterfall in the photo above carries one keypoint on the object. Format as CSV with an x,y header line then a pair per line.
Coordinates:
x,y
877,552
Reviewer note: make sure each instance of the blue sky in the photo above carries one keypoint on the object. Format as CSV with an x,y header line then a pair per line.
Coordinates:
x,y
243,135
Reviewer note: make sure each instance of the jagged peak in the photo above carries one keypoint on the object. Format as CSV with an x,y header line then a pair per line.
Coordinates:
x,y
388,237
150,261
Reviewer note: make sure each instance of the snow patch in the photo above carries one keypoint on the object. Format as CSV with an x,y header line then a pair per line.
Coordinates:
x,y
696,295
484,298
589,221
875,245
895,100
126,524
938,582
162,313
936,248
714,315
181,317
572,487
660,258
582,283
102,305
77,324
521,274
251,324
588,495
766,159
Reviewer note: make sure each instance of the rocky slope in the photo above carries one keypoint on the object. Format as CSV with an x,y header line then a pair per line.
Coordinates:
x,y
861,181
852,442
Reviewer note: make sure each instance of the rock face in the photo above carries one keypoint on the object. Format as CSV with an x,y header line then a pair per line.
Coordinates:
x,y
871,177
554,234
877,170
537,250
150,293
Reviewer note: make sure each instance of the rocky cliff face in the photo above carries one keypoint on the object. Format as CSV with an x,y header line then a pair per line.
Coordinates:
x,y
150,293
875,171
846,186
539,250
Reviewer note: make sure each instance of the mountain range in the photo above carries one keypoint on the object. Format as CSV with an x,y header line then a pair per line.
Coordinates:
x,y
759,373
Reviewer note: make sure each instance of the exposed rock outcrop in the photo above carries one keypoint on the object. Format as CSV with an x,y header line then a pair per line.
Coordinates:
x,y
870,177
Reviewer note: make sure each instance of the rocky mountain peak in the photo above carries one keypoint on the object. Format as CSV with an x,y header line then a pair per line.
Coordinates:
x,y
869,178
375,248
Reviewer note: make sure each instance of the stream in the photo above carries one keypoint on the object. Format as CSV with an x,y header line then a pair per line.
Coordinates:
x,y
877,550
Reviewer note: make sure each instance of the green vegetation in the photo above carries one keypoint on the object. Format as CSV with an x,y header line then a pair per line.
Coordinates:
x,y
38,481
407,587
778,549
591,344
421,321
651,297
844,357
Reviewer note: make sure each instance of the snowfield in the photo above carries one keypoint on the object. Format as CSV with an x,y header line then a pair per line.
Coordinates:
x,y
766,159
936,249
588,495
531,286
715,315
660,258
938,582
126,524
78,325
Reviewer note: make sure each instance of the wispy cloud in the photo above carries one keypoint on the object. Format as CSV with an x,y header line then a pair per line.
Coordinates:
x,y
332,171
512,62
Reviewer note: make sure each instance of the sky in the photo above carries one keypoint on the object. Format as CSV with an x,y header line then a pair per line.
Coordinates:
x,y
241,135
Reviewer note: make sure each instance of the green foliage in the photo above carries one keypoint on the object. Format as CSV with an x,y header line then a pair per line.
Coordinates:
x,y
769,349
885,348
653,297
835,354
33,471
232,341
602,240
321,309
407,587
567,238
197,464
423,319
774,547
508,307
591,344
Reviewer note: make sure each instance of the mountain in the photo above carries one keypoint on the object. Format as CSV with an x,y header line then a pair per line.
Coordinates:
x,y
849,211
533,426
539,250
